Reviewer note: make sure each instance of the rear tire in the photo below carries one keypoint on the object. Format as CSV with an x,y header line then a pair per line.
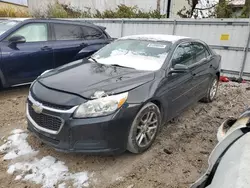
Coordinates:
x,y
211,91
144,128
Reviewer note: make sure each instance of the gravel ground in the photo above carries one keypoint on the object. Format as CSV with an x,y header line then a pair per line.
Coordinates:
x,y
177,158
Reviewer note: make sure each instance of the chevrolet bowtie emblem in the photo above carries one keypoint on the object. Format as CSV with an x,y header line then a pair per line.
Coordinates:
x,y
37,107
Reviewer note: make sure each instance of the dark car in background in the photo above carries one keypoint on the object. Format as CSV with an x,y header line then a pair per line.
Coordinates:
x,y
29,47
119,97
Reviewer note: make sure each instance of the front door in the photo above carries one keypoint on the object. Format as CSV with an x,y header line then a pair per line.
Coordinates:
x,y
25,61
179,85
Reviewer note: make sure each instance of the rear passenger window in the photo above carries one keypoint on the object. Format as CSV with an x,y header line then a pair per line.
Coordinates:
x,y
68,32
92,33
200,52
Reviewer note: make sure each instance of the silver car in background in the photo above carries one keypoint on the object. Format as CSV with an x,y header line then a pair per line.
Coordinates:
x,y
229,162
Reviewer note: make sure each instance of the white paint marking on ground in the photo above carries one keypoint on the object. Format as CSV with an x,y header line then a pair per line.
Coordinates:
x,y
47,171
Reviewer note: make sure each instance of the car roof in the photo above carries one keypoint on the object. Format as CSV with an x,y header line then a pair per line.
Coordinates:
x,y
49,20
13,19
156,37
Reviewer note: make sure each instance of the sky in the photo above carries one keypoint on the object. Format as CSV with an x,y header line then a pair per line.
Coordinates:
x,y
23,2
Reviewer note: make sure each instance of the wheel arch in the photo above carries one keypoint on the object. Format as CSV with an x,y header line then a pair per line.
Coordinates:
x,y
218,74
159,104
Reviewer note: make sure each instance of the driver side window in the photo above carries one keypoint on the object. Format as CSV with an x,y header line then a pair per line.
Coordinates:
x,y
184,55
36,32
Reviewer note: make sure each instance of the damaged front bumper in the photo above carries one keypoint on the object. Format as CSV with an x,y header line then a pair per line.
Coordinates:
x,y
107,134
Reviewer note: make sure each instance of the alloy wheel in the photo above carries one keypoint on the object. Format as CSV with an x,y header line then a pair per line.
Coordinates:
x,y
213,89
146,129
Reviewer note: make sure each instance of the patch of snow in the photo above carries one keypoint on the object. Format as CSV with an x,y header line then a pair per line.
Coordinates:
x,y
17,146
131,186
62,185
17,131
155,37
99,94
136,61
18,177
80,179
47,171
119,178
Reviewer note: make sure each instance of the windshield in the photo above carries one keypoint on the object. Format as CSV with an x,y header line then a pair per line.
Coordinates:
x,y
6,25
138,54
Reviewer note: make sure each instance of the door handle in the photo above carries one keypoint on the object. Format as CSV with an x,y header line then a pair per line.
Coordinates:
x,y
46,48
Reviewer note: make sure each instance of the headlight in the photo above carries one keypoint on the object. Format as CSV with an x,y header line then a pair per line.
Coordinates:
x,y
101,106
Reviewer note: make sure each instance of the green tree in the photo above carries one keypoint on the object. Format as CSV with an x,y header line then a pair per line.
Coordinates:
x,y
246,9
223,9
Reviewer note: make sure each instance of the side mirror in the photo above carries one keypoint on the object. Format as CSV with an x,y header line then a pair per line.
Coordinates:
x,y
179,68
16,39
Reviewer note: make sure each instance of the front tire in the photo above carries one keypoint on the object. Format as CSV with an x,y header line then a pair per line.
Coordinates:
x,y
211,91
144,128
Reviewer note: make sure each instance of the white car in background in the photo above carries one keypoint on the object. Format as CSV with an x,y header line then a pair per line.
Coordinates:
x,y
229,162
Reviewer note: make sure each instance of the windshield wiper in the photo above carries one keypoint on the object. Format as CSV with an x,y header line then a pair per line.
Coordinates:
x,y
93,59
116,65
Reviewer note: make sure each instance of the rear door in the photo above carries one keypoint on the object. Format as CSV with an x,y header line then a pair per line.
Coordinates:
x,y
201,70
66,42
95,39
179,85
25,61
72,42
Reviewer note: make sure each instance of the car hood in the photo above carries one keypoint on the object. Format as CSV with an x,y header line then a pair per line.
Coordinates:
x,y
84,78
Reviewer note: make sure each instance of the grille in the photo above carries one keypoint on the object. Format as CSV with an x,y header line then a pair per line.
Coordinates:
x,y
45,121
59,107
55,106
